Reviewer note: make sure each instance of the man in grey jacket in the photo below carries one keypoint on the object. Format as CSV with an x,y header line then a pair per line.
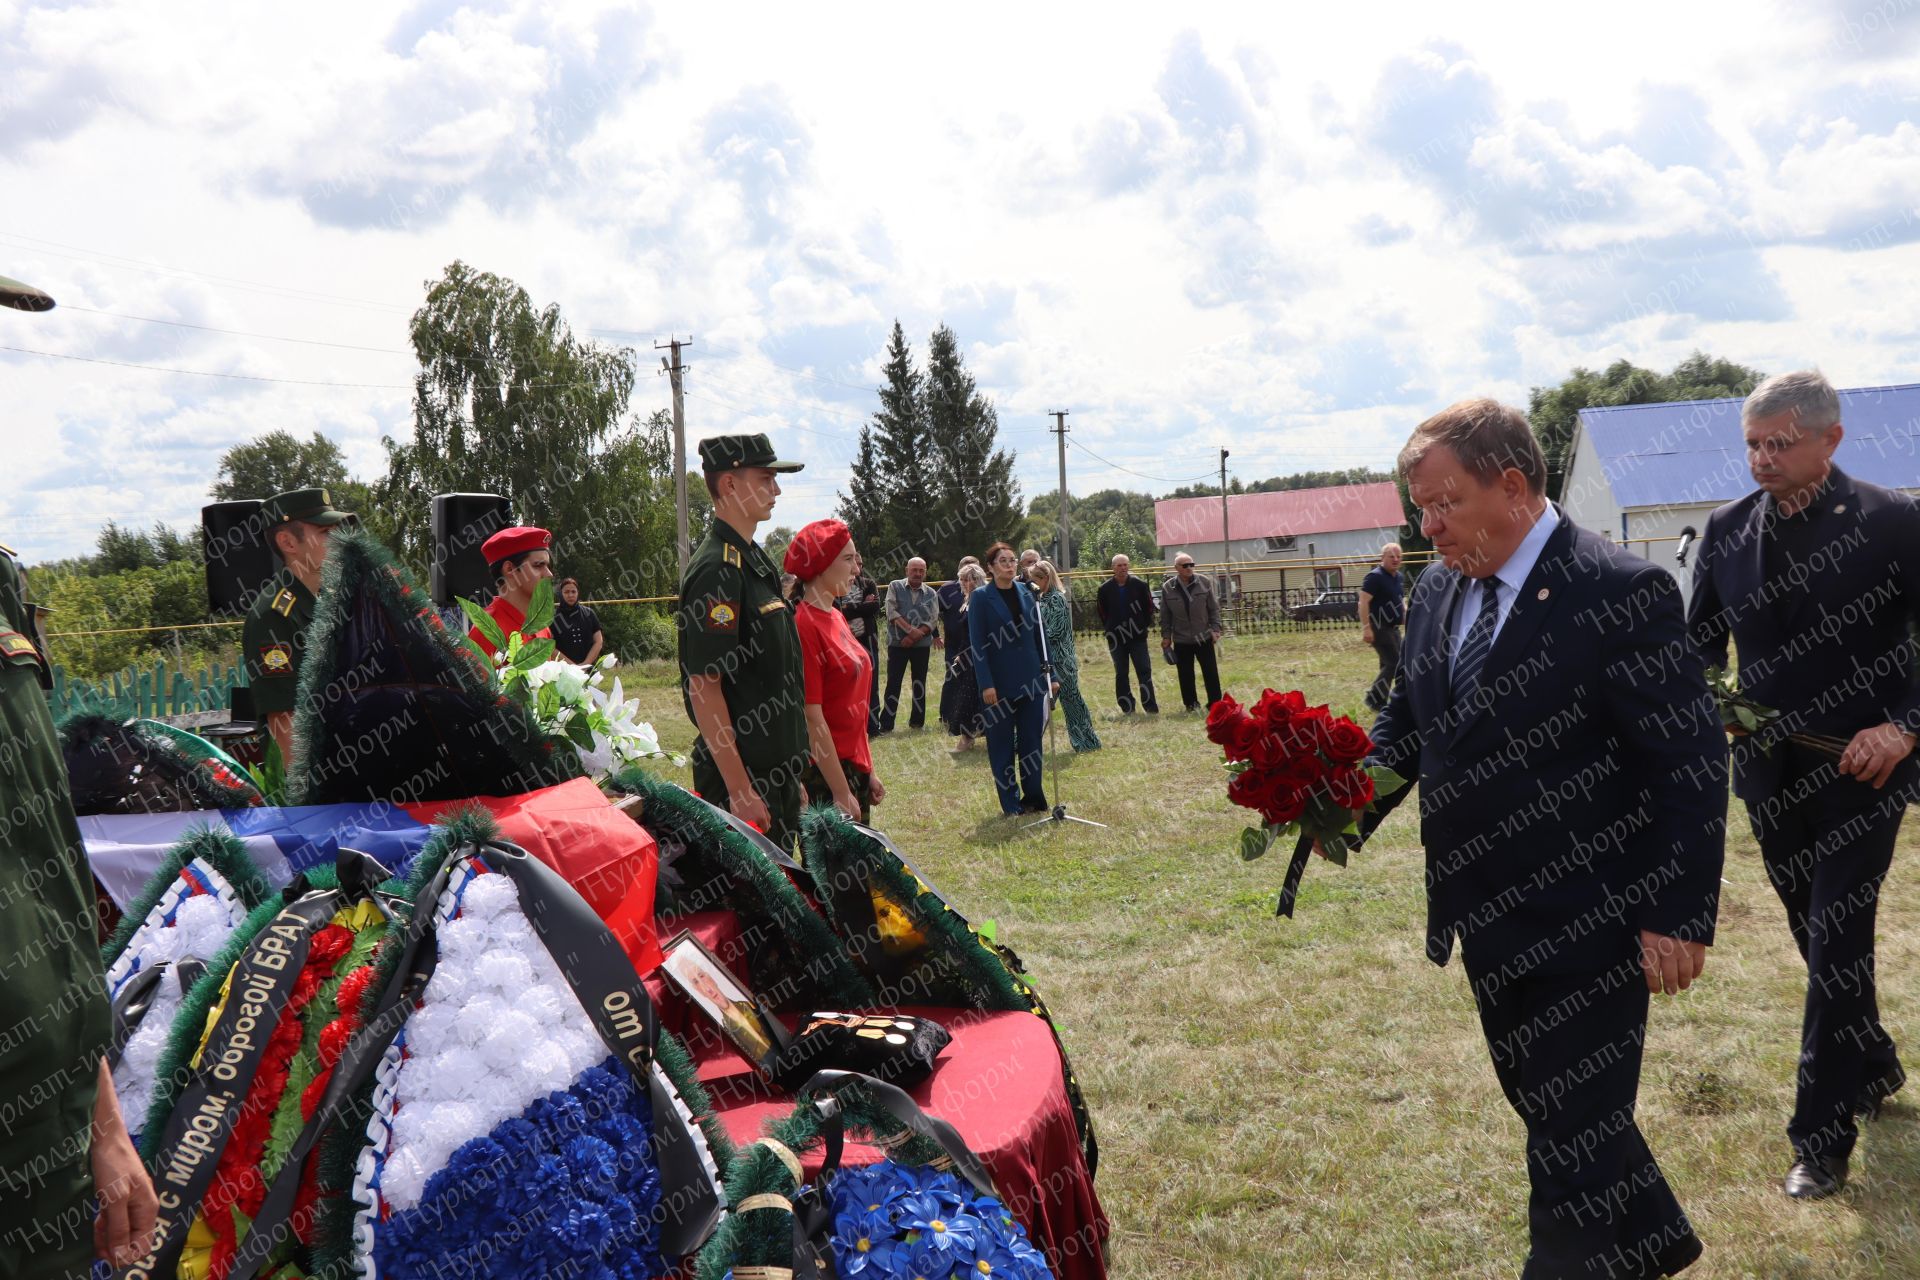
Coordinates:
x,y
1189,624
913,619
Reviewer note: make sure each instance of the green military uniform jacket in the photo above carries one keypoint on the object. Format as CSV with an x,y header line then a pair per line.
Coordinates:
x,y
733,624
274,640
53,1009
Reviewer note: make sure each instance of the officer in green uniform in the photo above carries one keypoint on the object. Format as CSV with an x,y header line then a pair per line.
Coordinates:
x,y
739,648
62,1138
298,522
61,1132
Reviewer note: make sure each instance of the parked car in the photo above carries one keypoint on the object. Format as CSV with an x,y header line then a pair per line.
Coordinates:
x,y
1328,606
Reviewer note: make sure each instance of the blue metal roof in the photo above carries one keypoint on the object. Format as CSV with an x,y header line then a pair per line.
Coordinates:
x,y
1690,451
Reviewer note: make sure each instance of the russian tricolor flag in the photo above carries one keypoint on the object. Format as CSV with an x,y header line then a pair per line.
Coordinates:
x,y
573,828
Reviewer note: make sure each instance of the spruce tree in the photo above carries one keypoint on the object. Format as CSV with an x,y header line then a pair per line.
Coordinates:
x,y
863,506
905,457
977,497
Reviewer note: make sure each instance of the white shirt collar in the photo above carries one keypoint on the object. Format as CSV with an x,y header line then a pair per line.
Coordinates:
x,y
1513,574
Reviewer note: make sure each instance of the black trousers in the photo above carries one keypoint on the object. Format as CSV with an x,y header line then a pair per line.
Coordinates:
x,y
873,687
1827,841
899,659
1184,656
1567,1051
1132,651
1386,643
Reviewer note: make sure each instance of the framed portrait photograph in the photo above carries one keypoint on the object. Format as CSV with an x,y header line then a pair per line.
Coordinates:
x,y
698,975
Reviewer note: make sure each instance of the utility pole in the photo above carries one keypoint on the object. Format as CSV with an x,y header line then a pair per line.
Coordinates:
x,y
1059,428
674,370
1226,536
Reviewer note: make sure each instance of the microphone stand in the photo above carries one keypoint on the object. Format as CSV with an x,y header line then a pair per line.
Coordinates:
x,y
1058,814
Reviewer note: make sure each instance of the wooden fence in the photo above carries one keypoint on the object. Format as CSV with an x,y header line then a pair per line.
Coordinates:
x,y
150,694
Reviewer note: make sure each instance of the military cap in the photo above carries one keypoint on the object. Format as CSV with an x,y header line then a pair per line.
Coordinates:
x,y
730,453
513,541
309,506
23,297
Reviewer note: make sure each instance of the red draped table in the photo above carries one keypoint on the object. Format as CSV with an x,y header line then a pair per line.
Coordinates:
x,y
999,1084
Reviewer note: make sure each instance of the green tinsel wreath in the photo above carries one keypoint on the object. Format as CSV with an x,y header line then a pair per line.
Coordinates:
x,y
219,849
508,756
756,889
764,1237
949,963
341,1147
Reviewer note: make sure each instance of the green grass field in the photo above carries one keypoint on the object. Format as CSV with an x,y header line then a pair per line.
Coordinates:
x,y
1312,1098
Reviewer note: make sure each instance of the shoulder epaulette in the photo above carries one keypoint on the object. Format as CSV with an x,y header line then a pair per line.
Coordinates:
x,y
731,555
283,603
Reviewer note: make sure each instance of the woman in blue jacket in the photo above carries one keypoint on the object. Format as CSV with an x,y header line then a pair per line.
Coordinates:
x,y
1003,626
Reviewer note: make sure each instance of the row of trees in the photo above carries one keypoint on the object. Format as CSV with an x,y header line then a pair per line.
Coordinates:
x,y
509,400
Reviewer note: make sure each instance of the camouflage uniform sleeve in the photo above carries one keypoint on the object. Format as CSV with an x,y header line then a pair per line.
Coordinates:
x,y
708,619
272,661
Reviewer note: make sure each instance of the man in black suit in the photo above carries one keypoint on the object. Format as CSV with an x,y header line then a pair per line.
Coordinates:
x,y
1572,779
1816,578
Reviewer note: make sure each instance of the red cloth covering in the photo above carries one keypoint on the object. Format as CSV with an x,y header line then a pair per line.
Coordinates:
x,y
608,857
508,615
999,1084
839,677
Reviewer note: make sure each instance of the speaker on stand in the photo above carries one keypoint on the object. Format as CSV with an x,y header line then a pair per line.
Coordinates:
x,y
461,523
240,557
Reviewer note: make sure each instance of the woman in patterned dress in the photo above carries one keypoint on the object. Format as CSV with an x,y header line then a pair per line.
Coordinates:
x,y
1056,623
960,693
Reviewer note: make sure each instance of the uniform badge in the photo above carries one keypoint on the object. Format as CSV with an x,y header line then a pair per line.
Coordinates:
x,y
722,616
731,555
276,659
283,603
14,645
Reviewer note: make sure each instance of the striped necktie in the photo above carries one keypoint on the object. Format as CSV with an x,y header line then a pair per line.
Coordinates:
x,y
1467,664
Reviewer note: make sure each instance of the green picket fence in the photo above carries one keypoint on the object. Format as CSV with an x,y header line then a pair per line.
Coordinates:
x,y
151,694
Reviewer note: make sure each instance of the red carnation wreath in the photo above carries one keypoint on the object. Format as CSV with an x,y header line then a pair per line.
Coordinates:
x,y
1302,768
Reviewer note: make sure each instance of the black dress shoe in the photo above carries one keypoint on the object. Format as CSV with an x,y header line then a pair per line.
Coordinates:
x,y
1815,1177
1874,1093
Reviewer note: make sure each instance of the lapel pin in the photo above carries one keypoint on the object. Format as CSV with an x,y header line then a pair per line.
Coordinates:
x,y
1544,593
1839,508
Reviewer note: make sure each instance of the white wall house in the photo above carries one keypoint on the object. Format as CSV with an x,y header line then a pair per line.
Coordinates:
x,y
1294,530
1650,471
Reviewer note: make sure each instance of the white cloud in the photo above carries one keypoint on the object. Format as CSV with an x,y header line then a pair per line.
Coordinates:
x,y
1288,233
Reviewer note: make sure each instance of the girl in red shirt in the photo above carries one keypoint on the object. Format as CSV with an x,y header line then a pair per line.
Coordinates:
x,y
838,672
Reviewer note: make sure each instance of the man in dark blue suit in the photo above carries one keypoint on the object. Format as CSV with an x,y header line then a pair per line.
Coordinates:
x,y
1572,779
1009,661
1816,578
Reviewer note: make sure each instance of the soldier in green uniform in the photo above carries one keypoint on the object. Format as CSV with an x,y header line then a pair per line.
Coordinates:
x,y
299,522
62,1138
739,650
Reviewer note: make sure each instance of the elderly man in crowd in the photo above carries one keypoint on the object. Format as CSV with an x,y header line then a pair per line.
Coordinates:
x,y
913,620
1126,615
1381,612
1815,577
1028,559
1189,624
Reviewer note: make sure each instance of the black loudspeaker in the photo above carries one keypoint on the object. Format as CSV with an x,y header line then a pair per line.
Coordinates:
x,y
240,557
461,522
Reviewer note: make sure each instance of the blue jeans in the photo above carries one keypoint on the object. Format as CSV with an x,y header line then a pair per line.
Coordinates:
x,y
1014,726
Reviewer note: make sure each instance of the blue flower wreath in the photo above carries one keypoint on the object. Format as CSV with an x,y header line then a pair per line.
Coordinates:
x,y
568,1188
907,1222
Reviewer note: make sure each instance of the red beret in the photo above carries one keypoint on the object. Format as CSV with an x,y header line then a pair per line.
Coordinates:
x,y
814,547
513,541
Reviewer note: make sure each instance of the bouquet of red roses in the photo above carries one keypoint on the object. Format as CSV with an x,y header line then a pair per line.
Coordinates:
x,y
1302,768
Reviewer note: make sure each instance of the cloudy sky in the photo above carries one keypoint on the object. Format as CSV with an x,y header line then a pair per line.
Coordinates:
x,y
1288,230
